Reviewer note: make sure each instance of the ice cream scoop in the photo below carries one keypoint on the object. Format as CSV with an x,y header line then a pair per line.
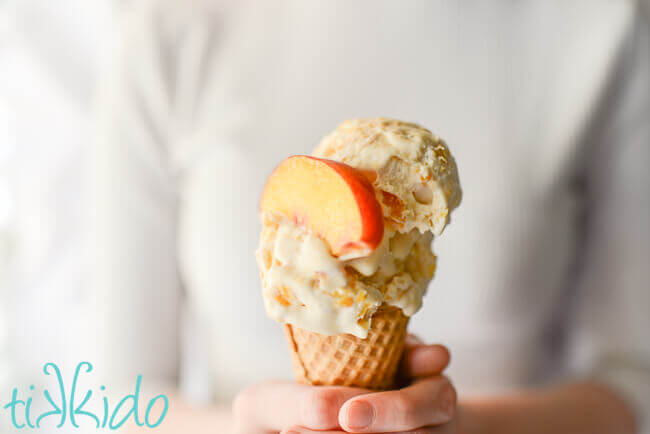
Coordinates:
x,y
416,176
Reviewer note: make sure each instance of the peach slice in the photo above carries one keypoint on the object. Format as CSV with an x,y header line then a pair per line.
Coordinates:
x,y
332,199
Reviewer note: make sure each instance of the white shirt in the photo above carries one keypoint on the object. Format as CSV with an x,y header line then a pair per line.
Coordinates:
x,y
543,273
49,59
45,99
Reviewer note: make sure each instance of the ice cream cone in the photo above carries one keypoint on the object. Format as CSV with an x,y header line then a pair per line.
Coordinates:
x,y
346,360
345,230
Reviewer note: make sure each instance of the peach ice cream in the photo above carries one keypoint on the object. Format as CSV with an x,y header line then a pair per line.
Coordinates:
x,y
350,228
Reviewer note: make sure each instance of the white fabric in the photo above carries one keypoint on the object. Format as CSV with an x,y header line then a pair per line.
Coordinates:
x,y
49,56
543,273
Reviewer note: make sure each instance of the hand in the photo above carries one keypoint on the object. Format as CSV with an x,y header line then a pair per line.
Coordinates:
x,y
429,401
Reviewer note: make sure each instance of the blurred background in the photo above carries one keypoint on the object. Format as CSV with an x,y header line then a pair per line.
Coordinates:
x,y
52,54
50,57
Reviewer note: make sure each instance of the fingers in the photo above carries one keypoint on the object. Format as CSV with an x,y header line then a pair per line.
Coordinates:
x,y
430,401
445,429
421,360
423,430
274,405
302,430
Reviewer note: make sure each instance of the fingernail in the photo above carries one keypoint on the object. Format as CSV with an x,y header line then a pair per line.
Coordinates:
x,y
360,414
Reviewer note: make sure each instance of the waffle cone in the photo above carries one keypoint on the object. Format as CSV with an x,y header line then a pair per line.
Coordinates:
x,y
346,360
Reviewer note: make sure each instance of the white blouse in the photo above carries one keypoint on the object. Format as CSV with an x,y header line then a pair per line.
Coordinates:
x,y
543,273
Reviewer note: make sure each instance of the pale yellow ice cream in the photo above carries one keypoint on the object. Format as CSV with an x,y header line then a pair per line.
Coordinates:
x,y
416,182
412,165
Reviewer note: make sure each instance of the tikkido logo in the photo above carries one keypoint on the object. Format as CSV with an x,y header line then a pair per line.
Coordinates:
x,y
63,408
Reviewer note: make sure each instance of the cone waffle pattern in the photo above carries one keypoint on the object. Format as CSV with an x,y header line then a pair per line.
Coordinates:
x,y
346,360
